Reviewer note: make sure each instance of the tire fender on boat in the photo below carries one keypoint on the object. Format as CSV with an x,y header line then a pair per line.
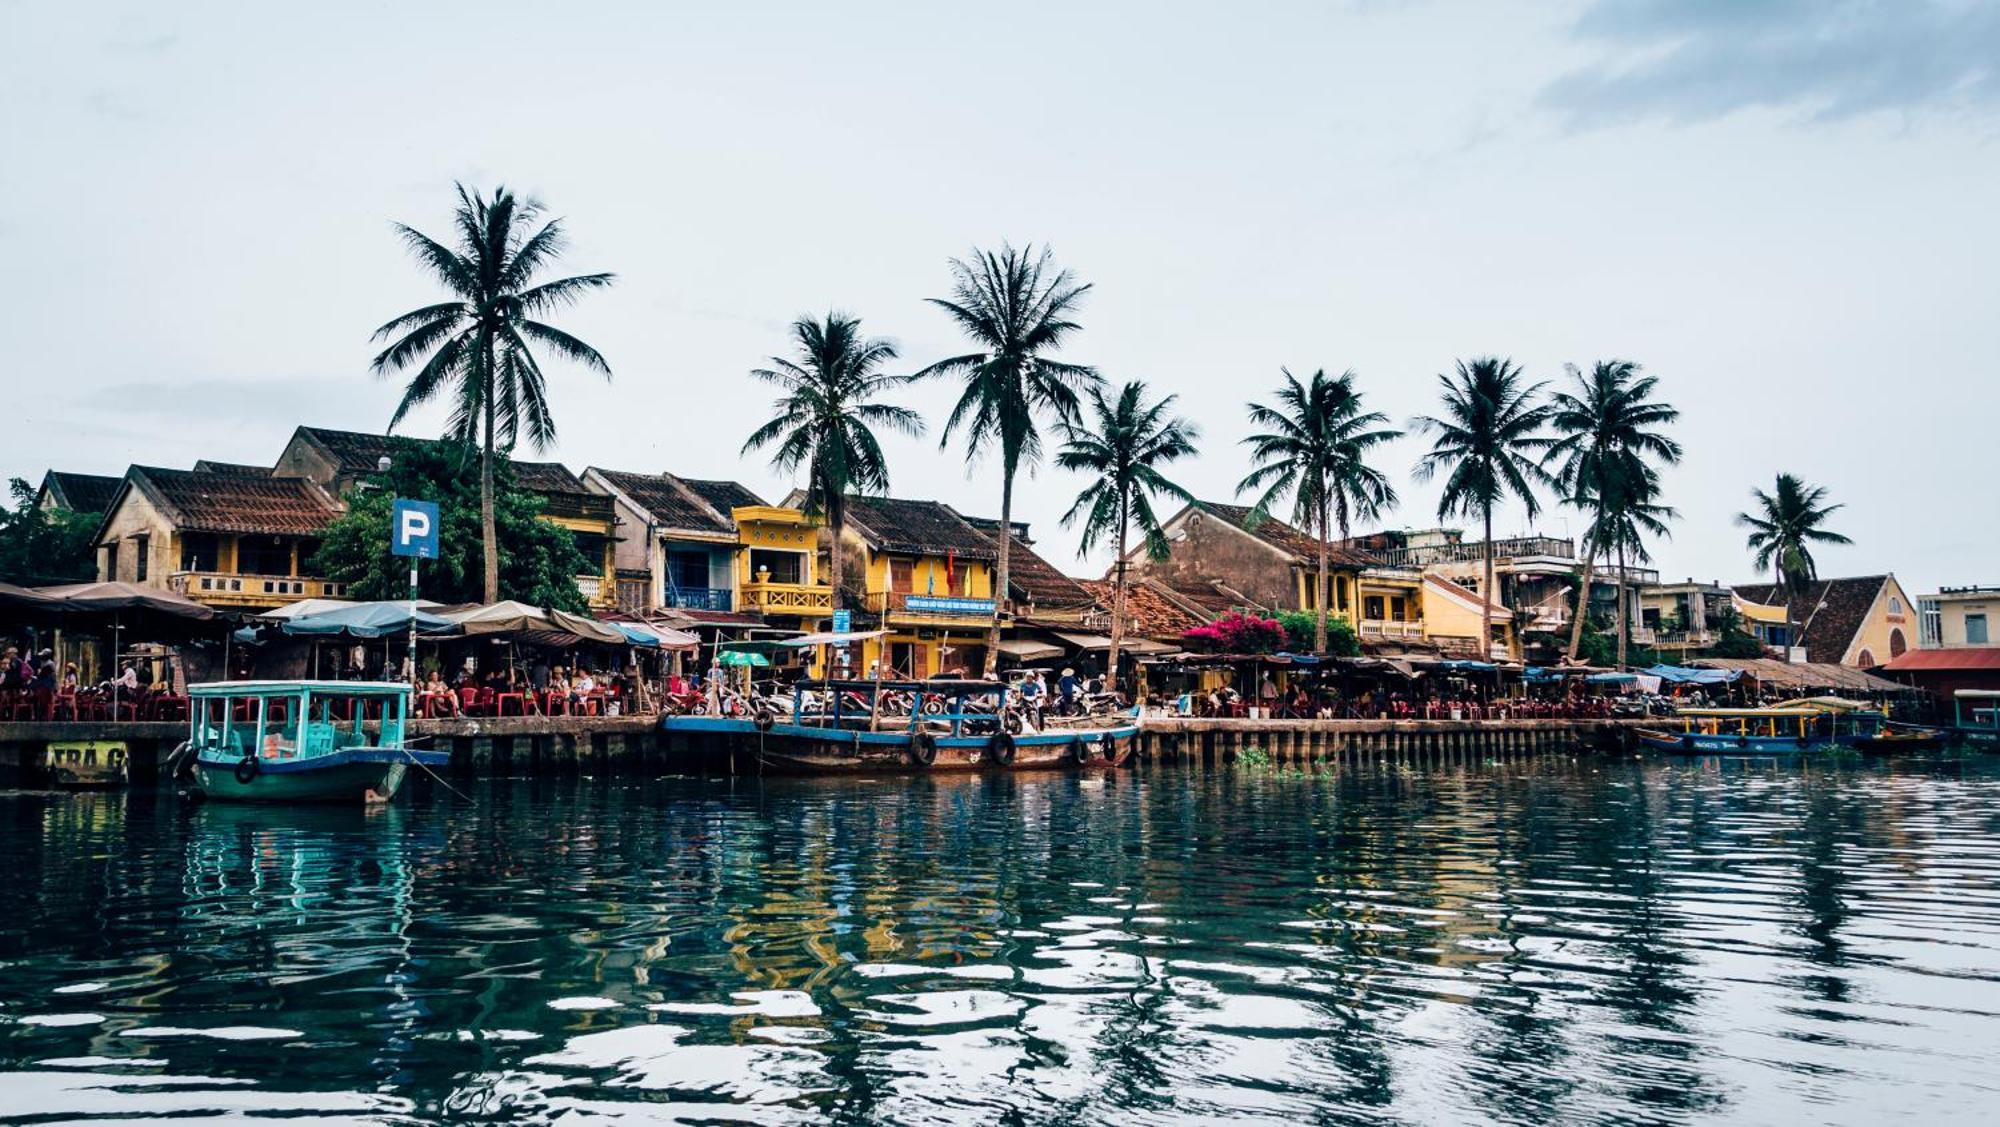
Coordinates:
x,y
1079,750
923,748
1110,749
1001,747
764,720
247,769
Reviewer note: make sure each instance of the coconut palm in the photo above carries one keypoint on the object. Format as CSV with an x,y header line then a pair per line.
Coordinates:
x,y
1619,528
1608,436
480,346
824,419
1489,443
1317,449
1122,449
1784,525
1016,307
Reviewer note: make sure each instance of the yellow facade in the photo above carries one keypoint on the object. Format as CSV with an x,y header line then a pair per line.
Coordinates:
x,y
775,541
1452,616
925,640
599,586
139,544
1379,604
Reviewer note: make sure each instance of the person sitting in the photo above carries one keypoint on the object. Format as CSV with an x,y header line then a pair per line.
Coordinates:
x,y
1066,688
437,693
70,677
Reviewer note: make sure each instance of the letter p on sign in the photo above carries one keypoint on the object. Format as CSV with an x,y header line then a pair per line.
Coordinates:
x,y
413,529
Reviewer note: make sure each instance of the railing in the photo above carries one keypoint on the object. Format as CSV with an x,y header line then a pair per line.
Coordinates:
x,y
230,586
1465,553
787,597
930,606
700,598
1383,628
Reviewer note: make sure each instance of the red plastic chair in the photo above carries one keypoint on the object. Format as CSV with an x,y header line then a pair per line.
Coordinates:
x,y
500,704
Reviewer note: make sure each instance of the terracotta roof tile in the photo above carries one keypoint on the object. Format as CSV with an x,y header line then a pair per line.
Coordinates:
x,y
676,503
82,492
1972,658
1828,630
237,503
1034,580
917,528
1149,612
1288,538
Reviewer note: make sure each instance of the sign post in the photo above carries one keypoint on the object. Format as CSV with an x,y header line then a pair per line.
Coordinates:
x,y
413,532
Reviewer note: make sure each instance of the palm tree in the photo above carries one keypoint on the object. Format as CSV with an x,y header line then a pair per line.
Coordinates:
x,y
1123,452
824,419
478,345
1016,307
1784,526
1317,450
1619,529
1607,437
1488,440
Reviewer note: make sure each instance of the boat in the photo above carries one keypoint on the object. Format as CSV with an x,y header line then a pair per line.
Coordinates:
x,y
1901,739
1742,731
301,741
843,727
1976,717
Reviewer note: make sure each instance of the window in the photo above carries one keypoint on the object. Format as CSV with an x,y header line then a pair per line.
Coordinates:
x,y
902,574
591,545
784,567
1396,609
1975,629
687,571
199,551
141,556
1371,608
1897,645
1340,589
264,555
1895,605
111,561
1311,597
1930,628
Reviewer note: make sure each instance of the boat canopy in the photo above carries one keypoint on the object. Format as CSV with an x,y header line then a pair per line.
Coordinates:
x,y
1689,675
1830,704
1750,712
1978,694
294,688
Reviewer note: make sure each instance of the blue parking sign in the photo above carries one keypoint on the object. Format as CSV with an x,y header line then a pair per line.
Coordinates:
x,y
842,621
413,529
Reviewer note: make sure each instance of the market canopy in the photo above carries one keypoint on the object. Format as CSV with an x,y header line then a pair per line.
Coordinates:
x,y
367,620
658,636
1689,675
840,638
22,598
531,624
305,607
1803,674
114,597
741,657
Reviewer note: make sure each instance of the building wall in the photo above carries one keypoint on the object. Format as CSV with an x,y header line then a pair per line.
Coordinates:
x,y
135,516
1211,549
1951,621
1892,616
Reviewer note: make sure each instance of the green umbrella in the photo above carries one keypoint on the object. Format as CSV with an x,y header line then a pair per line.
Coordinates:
x,y
738,657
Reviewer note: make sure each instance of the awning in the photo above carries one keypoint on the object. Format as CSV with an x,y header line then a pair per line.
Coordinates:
x,y
1758,612
1687,675
838,638
658,636
366,620
112,597
1085,642
740,657
1026,649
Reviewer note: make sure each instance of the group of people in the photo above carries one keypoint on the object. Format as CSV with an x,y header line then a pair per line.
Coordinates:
x,y
572,686
1069,695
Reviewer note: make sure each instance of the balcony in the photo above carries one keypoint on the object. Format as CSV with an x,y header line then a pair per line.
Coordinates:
x,y
1515,548
1380,628
235,589
787,598
946,609
700,598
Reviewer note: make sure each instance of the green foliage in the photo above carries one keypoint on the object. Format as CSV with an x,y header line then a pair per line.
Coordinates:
x,y
1783,527
1122,455
539,561
38,547
1341,641
1736,643
1600,647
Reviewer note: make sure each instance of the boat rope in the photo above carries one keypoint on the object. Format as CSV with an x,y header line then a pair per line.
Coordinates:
x,y
421,766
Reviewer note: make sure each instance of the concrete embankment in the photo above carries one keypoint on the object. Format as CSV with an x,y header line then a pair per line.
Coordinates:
x,y
539,745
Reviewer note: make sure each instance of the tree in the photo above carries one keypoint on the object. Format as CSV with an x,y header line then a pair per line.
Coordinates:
x,y
1488,441
43,546
1123,450
538,561
1317,450
1621,528
1784,526
1303,628
1607,438
824,419
478,345
1016,308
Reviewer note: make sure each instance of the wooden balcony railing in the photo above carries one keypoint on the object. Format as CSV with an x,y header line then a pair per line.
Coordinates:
x,y
787,598
238,587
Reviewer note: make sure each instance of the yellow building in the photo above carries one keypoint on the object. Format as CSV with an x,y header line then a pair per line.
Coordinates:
x,y
1452,615
925,575
231,540
1861,622
779,574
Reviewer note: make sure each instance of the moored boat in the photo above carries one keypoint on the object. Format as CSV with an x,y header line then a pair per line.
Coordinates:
x,y
903,727
1740,731
1976,717
301,741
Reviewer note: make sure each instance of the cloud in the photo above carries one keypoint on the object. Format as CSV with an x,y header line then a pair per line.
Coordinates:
x,y
1696,60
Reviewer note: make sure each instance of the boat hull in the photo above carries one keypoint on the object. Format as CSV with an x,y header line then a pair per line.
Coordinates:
x,y
351,775
1697,743
806,750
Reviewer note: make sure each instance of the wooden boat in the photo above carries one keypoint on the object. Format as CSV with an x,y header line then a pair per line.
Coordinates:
x,y
957,725
87,764
1900,739
301,741
1741,731
1976,717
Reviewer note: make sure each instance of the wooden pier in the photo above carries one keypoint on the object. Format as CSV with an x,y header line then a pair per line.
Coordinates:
x,y
634,745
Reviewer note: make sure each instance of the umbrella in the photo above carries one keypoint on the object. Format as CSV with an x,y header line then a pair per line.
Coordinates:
x,y
533,624
113,596
741,657
22,598
366,620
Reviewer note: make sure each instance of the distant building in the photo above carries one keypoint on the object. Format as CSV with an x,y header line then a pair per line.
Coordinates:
x,y
925,575
1860,622
1535,576
1958,617
1689,615
682,544
86,493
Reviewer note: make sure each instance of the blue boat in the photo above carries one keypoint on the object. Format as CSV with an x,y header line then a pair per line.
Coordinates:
x,y
1976,717
301,741
899,727
1743,731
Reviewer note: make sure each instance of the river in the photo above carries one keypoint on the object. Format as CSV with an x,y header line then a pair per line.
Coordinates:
x,y
1559,941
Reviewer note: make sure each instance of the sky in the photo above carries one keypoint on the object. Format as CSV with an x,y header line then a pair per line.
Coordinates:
x,y
1784,209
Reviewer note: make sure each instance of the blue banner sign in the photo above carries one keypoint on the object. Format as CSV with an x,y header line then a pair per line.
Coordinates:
x,y
843,621
939,604
413,529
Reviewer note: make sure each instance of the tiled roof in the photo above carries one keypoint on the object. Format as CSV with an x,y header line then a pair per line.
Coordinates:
x,y
1302,547
1148,610
919,528
1828,631
236,468
236,503
360,453
82,492
1976,658
1203,599
1034,580
723,495
673,502
547,477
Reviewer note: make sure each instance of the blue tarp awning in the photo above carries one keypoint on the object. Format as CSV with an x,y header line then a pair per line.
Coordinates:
x,y
1688,675
1467,666
366,620
1611,678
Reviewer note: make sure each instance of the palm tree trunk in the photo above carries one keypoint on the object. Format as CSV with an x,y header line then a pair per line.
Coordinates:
x,y
836,523
488,531
1319,608
1000,580
1118,597
1624,627
1582,599
1486,589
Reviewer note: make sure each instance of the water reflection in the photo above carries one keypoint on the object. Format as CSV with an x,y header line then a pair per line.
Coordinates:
x,y
1572,941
